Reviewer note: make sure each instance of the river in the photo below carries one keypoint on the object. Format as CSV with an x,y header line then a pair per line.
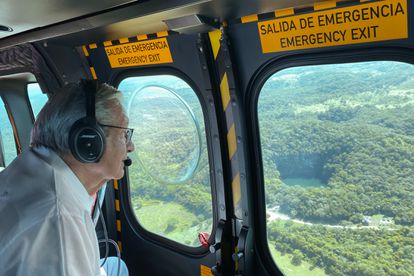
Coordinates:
x,y
274,214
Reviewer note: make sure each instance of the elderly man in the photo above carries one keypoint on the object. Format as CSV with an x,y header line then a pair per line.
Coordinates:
x,y
46,193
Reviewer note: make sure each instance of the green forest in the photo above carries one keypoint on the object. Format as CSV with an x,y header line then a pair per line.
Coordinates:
x,y
348,128
345,251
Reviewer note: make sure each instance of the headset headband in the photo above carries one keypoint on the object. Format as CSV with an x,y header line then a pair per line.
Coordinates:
x,y
89,87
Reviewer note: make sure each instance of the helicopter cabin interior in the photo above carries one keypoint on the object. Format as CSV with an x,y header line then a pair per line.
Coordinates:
x,y
272,137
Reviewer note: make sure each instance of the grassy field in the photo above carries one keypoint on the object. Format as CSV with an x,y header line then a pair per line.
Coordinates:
x,y
175,222
284,263
171,220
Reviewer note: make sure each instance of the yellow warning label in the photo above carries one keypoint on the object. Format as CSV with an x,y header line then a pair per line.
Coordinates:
x,y
368,22
154,51
205,271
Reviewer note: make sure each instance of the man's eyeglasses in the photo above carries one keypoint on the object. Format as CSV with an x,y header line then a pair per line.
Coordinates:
x,y
128,133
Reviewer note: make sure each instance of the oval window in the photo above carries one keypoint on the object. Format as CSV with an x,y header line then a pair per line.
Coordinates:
x,y
165,123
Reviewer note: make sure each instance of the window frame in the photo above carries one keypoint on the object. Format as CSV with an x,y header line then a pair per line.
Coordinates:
x,y
2,157
212,154
28,98
253,92
17,145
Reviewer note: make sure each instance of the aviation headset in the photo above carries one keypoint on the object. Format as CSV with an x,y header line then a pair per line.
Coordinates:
x,y
86,137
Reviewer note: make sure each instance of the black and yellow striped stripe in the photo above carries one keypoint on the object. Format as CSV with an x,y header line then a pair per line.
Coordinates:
x,y
325,5
227,85
86,53
125,40
118,214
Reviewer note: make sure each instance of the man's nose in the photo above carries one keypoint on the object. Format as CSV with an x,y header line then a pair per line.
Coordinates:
x,y
130,147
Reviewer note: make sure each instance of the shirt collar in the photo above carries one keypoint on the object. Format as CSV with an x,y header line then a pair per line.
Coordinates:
x,y
66,175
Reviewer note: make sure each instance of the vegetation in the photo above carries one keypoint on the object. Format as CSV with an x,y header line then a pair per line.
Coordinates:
x,y
284,262
351,127
171,220
345,251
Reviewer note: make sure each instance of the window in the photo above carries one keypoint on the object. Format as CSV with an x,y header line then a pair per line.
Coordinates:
x,y
170,183
338,158
7,138
36,97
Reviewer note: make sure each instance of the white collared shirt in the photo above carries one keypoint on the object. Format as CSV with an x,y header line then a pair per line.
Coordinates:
x,y
45,223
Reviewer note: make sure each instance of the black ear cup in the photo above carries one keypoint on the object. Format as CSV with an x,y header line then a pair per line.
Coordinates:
x,y
86,140
86,137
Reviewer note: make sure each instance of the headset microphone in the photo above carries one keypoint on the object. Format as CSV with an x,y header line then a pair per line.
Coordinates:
x,y
127,162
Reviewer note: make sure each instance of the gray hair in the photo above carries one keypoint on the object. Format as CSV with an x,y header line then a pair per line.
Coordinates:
x,y
63,109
